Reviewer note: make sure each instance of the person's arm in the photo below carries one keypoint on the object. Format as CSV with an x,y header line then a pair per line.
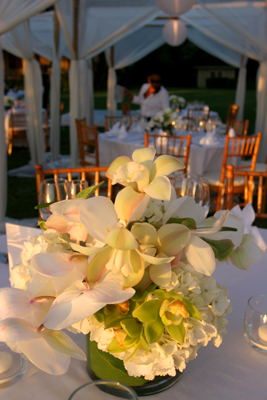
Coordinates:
x,y
128,94
135,99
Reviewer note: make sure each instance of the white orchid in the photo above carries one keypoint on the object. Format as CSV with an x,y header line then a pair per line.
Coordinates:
x,y
144,175
246,254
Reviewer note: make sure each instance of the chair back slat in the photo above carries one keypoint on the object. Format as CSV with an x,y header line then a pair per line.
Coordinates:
x,y
255,184
87,140
94,172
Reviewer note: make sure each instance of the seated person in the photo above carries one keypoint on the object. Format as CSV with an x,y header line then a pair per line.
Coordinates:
x,y
153,97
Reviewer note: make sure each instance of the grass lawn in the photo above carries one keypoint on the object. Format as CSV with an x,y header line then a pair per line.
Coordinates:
x,y
22,191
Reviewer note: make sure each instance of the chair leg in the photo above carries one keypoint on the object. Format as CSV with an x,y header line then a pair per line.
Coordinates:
x,y
10,145
219,198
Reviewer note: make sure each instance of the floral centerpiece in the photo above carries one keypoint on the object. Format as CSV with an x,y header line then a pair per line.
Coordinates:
x,y
177,102
137,275
8,102
164,121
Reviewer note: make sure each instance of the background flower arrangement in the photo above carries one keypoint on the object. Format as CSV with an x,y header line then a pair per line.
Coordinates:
x,y
136,274
163,120
177,102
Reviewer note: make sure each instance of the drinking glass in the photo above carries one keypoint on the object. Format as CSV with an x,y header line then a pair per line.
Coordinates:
x,y
74,187
51,190
255,323
103,390
193,186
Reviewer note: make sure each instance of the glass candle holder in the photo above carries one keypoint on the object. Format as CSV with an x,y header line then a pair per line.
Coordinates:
x,y
74,187
12,366
255,323
103,390
51,190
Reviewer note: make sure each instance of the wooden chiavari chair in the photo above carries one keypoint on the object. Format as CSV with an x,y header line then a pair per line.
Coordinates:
x,y
231,115
240,127
254,184
177,146
17,132
72,174
235,148
87,140
126,108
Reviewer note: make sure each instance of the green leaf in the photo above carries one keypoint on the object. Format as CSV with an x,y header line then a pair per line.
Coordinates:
x,y
99,315
143,343
165,295
107,367
113,347
136,347
113,321
221,248
228,229
177,332
190,223
193,311
154,330
132,327
86,193
129,341
148,311
42,225
44,205
141,296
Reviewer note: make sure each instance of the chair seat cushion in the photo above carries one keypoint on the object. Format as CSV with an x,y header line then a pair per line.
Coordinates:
x,y
214,178
260,167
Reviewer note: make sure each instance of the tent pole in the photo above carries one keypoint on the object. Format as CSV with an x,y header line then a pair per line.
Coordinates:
x,y
75,26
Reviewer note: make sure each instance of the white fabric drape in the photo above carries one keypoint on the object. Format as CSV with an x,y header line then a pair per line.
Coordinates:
x,y
100,24
241,26
127,51
241,88
90,91
33,92
12,13
3,152
261,115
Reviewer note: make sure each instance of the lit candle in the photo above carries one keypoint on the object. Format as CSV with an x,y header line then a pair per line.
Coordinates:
x,y
5,361
262,332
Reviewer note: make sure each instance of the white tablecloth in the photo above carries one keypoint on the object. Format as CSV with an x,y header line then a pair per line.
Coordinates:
x,y
202,158
234,371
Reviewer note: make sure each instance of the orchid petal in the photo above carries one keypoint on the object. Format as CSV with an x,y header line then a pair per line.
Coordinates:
x,y
96,215
160,274
144,156
97,267
173,238
232,221
67,209
14,303
159,188
45,357
216,227
200,255
145,233
121,239
154,260
53,264
139,210
86,250
184,207
118,162
138,271
17,329
127,201
132,173
59,224
61,342
165,165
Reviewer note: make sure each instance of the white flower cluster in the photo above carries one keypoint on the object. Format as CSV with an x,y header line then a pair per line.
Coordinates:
x,y
163,119
174,100
166,355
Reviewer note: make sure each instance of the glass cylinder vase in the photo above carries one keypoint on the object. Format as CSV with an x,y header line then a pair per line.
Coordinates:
x,y
102,365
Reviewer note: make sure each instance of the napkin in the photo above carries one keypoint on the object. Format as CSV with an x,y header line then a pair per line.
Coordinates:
x,y
115,130
210,139
16,236
122,132
231,132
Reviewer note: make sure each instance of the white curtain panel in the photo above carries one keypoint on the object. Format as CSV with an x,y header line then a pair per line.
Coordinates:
x,y
127,51
241,88
261,116
33,92
90,91
3,148
112,81
241,26
101,24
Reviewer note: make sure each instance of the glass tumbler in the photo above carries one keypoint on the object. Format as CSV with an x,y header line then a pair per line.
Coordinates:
x,y
75,187
103,390
255,323
51,190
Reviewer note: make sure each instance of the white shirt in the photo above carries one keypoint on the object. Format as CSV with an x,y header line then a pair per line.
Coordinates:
x,y
152,104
